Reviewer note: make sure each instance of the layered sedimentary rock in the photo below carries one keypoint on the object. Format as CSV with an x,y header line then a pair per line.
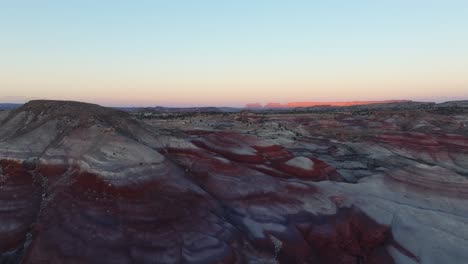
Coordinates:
x,y
85,184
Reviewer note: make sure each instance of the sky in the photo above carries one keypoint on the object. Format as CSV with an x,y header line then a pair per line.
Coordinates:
x,y
215,52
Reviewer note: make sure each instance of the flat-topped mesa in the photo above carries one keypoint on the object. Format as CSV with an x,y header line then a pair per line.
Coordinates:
x,y
49,120
100,139
80,113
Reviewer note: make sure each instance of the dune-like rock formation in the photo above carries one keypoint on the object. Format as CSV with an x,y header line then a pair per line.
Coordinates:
x,y
80,183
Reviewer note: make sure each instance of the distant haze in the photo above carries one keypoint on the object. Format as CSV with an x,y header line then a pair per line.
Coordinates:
x,y
230,53
309,104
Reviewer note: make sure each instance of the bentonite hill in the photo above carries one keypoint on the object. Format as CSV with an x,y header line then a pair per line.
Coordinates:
x,y
80,183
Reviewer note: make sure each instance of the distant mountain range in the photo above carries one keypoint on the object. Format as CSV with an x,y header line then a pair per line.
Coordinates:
x,y
311,104
9,106
162,109
282,107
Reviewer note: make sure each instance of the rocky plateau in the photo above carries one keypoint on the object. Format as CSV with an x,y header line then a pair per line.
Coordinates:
x,y
81,183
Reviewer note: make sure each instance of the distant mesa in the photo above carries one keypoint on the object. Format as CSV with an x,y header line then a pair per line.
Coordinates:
x,y
254,106
311,104
274,105
350,103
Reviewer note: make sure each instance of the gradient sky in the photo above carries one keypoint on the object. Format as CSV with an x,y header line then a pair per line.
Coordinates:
x,y
214,52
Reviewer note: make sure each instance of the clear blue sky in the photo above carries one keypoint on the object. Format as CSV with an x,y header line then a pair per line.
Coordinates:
x,y
203,52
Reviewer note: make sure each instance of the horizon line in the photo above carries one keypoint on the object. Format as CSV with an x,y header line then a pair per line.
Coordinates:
x,y
246,105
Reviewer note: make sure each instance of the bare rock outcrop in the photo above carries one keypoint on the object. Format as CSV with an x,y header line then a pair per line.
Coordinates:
x,y
81,183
